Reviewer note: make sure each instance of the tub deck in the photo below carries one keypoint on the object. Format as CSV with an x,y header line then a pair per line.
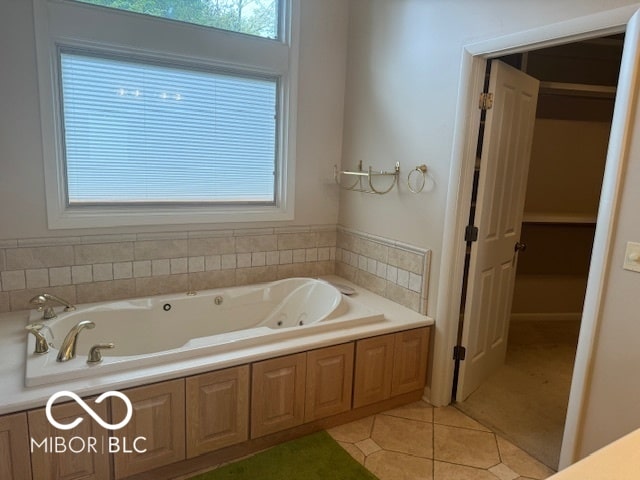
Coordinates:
x,y
15,396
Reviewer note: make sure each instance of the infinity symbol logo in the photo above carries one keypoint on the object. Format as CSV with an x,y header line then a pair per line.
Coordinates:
x,y
86,408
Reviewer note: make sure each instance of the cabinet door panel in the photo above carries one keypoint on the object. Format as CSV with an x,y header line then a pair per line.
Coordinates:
x,y
14,447
277,394
73,458
410,361
217,410
329,381
158,416
374,367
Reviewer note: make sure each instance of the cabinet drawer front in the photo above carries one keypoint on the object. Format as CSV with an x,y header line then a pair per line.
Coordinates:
x,y
277,398
158,415
374,367
14,447
217,410
78,461
410,361
329,381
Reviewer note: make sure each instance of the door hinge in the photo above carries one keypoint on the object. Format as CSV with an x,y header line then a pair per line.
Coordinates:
x,y
486,101
459,352
471,233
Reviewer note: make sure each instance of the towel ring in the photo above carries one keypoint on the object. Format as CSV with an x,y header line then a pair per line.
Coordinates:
x,y
422,170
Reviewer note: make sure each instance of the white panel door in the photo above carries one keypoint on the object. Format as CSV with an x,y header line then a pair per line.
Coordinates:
x,y
501,192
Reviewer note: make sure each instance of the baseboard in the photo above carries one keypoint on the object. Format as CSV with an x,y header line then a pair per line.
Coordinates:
x,y
546,317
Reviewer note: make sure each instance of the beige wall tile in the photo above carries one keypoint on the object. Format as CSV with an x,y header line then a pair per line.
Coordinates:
x,y
212,279
295,270
102,272
147,286
374,250
406,260
5,305
327,239
256,243
37,278
13,280
142,268
211,245
371,282
258,259
179,265
81,274
403,296
39,257
292,241
105,291
3,262
212,262
59,276
196,264
346,271
20,298
103,253
156,249
229,261
160,267
325,268
248,276
122,270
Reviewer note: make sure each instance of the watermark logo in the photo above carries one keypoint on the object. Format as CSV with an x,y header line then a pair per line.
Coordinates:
x,y
76,444
87,408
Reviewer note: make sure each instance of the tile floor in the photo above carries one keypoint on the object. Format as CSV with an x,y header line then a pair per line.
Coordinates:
x,y
420,442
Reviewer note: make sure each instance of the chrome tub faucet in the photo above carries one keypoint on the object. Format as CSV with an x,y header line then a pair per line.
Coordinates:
x,y
68,347
41,302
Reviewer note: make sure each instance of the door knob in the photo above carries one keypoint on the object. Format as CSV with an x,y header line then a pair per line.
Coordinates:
x,y
520,247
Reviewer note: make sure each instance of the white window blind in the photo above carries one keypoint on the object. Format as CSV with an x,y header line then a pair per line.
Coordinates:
x,y
144,133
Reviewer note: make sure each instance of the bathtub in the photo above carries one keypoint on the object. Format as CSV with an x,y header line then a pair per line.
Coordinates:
x,y
162,329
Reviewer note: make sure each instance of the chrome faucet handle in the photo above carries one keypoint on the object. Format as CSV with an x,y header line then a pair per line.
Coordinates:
x,y
42,346
41,303
95,354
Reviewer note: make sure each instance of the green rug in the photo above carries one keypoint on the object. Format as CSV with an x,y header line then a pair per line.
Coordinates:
x,y
314,457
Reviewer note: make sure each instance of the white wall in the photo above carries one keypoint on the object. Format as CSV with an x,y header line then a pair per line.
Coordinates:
x,y
320,114
402,88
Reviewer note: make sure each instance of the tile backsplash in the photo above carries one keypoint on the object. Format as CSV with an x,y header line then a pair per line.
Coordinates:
x,y
394,270
96,268
109,267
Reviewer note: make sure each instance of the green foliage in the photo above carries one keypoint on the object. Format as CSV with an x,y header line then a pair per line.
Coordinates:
x,y
255,17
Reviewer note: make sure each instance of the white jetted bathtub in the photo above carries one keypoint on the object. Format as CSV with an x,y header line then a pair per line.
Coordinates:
x,y
155,330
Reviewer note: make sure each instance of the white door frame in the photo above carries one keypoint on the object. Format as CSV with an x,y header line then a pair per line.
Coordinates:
x,y
474,58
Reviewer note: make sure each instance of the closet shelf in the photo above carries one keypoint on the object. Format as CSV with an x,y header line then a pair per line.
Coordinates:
x,y
576,219
577,89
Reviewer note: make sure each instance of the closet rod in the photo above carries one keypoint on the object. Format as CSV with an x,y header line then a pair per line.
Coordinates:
x,y
577,89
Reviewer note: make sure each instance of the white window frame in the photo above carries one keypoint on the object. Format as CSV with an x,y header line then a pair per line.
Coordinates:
x,y
63,23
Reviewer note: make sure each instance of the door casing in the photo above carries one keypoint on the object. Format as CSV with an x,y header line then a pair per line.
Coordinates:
x,y
474,58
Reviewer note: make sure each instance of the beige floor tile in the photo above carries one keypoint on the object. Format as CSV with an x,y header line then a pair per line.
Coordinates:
x,y
465,447
503,472
453,417
352,432
402,435
414,411
368,446
399,466
449,471
354,451
520,462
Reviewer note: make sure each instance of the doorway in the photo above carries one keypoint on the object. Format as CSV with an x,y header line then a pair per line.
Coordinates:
x,y
526,398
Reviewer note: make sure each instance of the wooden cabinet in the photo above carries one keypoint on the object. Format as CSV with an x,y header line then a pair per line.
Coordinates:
x,y
14,447
373,370
158,416
390,365
278,394
73,457
329,381
411,349
217,410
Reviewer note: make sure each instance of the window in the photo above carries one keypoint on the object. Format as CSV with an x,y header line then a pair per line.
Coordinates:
x,y
152,122
253,17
